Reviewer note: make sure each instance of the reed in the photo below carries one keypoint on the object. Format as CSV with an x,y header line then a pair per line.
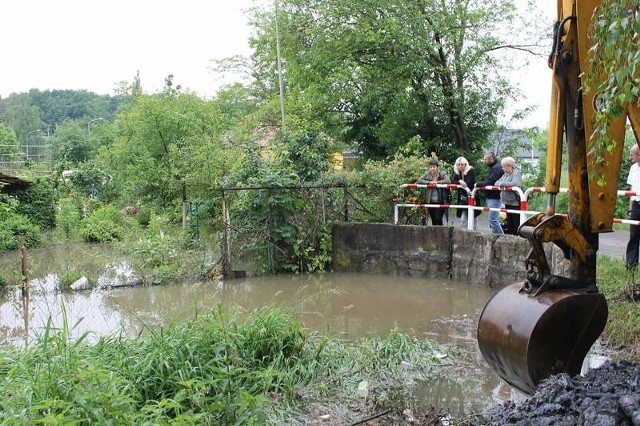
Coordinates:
x,y
220,368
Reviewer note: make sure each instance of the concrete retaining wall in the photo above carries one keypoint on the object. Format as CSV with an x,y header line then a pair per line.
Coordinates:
x,y
435,252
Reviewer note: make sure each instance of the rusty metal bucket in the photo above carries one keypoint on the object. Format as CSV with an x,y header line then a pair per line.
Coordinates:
x,y
528,338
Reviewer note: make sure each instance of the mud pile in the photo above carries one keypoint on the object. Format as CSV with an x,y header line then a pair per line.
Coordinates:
x,y
606,396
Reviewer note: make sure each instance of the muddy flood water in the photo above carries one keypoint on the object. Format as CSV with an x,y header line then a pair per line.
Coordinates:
x,y
338,304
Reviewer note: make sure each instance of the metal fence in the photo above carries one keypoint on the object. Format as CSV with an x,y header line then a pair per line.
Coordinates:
x,y
16,158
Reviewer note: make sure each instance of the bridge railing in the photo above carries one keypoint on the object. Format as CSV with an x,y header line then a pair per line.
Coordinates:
x,y
471,203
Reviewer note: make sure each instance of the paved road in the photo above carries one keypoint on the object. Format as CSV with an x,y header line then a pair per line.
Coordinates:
x,y
612,244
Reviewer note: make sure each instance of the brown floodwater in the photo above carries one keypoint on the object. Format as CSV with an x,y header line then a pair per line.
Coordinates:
x,y
348,305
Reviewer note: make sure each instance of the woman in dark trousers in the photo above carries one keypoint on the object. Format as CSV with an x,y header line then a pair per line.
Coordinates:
x,y
510,199
465,176
437,195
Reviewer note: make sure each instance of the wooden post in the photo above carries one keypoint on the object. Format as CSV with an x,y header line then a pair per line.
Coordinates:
x,y
270,233
24,269
25,314
346,203
184,206
226,254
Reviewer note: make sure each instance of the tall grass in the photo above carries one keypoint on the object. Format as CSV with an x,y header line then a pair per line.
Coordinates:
x,y
623,326
218,368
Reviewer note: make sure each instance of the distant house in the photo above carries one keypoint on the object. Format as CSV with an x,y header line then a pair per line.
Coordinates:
x,y
515,143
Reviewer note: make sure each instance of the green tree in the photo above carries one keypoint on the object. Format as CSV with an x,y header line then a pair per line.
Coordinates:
x,y
18,112
71,144
376,74
38,203
10,155
616,54
168,144
304,154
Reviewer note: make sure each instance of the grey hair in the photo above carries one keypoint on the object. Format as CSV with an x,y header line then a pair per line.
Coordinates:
x,y
508,161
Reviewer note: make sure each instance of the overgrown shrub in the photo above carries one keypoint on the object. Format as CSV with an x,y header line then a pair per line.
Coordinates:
x,y
69,217
104,225
38,202
144,216
13,224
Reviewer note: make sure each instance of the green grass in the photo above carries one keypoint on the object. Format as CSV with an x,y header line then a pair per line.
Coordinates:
x,y
623,325
220,368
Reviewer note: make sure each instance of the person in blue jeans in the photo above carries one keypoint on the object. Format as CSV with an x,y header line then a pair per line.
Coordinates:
x,y
493,196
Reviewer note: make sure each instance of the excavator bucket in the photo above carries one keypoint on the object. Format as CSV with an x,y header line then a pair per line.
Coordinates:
x,y
527,338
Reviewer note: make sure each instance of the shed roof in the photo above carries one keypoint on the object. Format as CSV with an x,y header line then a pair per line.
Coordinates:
x,y
9,180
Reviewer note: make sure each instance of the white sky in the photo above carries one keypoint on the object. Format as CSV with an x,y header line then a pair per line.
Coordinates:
x,y
94,45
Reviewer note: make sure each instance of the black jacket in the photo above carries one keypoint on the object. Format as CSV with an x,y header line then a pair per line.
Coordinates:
x,y
470,180
495,173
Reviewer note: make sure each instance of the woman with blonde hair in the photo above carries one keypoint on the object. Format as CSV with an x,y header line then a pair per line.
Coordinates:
x,y
510,199
465,176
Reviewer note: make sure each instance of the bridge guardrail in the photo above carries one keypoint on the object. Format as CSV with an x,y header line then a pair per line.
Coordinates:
x,y
471,205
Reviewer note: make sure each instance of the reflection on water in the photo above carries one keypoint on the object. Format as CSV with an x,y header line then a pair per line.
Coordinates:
x,y
344,305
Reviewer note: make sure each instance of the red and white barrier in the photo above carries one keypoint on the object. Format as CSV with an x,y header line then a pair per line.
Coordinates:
x,y
471,205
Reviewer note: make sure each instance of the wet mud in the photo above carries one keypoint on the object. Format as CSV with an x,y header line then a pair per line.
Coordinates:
x,y
605,396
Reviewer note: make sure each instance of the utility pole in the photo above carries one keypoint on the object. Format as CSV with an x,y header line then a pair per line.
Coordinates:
x,y
279,61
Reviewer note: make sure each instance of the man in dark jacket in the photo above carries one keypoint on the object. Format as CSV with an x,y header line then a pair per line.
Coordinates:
x,y
493,196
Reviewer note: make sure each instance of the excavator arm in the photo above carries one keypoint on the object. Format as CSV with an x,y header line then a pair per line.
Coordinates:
x,y
547,324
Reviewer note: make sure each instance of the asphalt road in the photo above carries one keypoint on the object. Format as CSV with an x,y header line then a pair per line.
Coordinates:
x,y
612,244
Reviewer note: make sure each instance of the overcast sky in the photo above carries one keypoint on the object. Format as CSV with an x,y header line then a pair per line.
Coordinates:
x,y
94,45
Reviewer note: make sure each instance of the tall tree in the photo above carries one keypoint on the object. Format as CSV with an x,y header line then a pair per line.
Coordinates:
x,y
378,73
168,143
71,144
18,112
10,155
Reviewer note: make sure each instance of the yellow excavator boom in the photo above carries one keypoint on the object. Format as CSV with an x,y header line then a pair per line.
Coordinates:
x,y
546,324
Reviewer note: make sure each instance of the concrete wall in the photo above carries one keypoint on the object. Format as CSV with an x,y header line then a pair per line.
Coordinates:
x,y
435,252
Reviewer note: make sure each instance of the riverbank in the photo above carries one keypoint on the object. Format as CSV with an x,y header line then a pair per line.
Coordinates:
x,y
620,333
218,368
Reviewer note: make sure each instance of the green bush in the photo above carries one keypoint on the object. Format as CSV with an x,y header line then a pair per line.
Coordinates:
x,y
144,216
68,217
11,225
38,203
104,225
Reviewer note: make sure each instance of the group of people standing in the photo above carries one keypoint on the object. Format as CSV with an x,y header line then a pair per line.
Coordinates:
x,y
500,173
